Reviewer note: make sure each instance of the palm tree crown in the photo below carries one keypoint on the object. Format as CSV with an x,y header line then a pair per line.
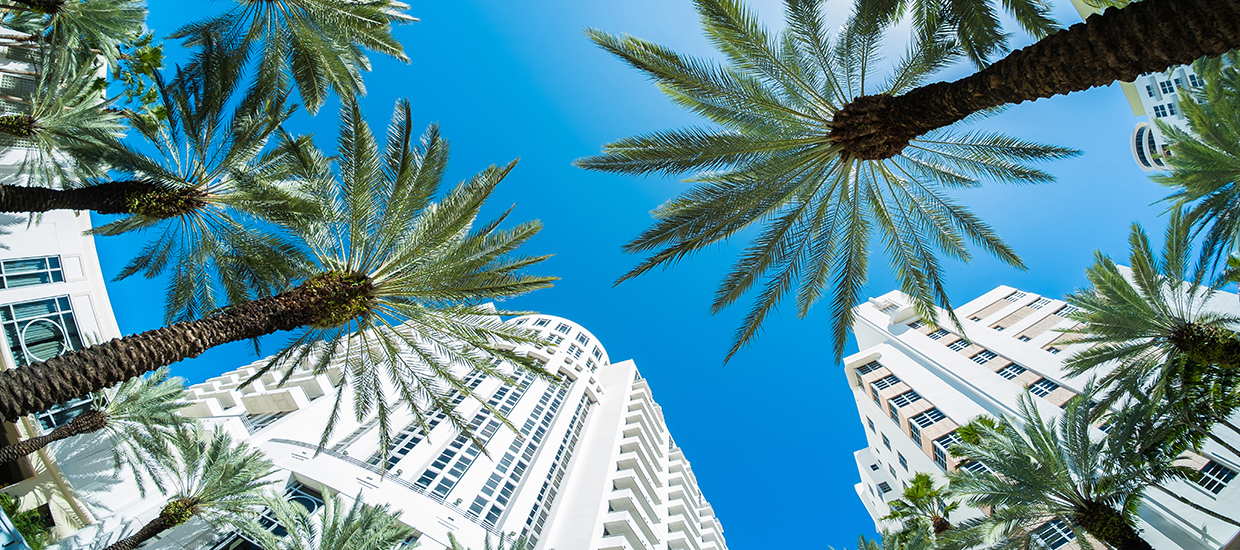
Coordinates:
x,y
335,527
975,23
771,163
314,44
924,507
140,417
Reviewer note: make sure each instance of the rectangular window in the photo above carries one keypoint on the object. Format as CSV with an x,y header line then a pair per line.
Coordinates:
x,y
889,307
891,469
1215,476
1179,82
928,418
554,339
884,487
1011,371
975,467
583,339
886,442
1040,303
40,329
903,462
975,319
1023,338
942,446
1149,90
1014,296
1043,387
938,334
563,327
1195,81
916,324
590,365
983,357
1160,111
542,322
1053,350
885,382
914,433
871,424
1066,310
1171,108
869,367
1166,87
905,399
958,345
31,271
1053,535
874,467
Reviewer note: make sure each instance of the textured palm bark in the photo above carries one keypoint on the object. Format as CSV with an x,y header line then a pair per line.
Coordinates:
x,y
114,197
1107,525
75,374
1121,44
1207,345
87,422
941,525
147,532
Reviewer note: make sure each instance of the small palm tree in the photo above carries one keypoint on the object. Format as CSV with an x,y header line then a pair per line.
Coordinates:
x,y
397,291
335,527
1151,316
316,45
770,165
211,477
76,29
1205,165
975,23
504,543
1048,470
135,420
893,541
924,506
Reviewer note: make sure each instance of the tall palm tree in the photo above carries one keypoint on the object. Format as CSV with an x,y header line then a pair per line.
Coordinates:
x,y
318,46
135,421
1050,470
924,506
771,164
211,477
1151,315
504,543
397,288
335,527
1205,166
72,29
975,23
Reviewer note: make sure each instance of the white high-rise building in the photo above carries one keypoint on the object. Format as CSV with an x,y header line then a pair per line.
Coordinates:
x,y
593,467
914,385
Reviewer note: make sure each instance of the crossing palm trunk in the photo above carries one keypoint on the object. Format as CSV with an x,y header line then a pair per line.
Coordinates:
x,y
324,300
1119,44
147,532
113,197
87,422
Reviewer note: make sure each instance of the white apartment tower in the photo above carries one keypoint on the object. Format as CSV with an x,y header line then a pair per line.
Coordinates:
x,y
915,384
593,468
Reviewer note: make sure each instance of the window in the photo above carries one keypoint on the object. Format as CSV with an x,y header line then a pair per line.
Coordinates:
x,y
914,433
1215,476
1149,90
1011,371
983,357
887,382
542,322
583,339
1171,108
941,447
554,339
563,327
1195,81
1053,350
31,271
1014,296
928,418
1160,111
895,414
590,365
892,469
520,321
575,351
871,424
975,318
916,324
1039,303
884,487
597,353
1066,311
975,467
1043,387
886,442
1023,338
1053,535
40,329
869,367
1179,82
938,334
60,415
874,467
958,344
1166,87
905,399
903,462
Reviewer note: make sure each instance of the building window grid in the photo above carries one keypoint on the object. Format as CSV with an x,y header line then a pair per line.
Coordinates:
x,y
884,487
938,334
1067,310
958,345
1195,81
38,330
519,465
942,446
563,327
1043,387
1040,303
905,399
885,382
1053,534
583,339
903,461
984,356
886,442
916,324
1166,87
869,367
870,423
1214,477
914,433
555,475
1011,371
542,322
22,272
928,418
1014,296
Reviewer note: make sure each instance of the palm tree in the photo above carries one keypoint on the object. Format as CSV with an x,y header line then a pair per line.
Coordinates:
x,y
1050,470
1206,160
894,541
316,45
397,288
75,29
923,505
211,477
135,421
1151,316
504,543
335,527
771,164
974,23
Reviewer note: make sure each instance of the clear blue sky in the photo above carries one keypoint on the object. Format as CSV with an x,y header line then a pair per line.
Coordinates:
x,y
770,435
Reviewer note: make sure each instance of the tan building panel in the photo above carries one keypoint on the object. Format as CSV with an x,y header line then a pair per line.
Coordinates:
x,y
1044,324
1014,317
991,309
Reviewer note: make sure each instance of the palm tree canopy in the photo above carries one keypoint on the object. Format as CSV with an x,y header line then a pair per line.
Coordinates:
x,y
1205,166
315,44
335,527
426,271
924,507
974,23
214,194
72,32
505,543
1151,314
769,164
141,417
213,477
1045,470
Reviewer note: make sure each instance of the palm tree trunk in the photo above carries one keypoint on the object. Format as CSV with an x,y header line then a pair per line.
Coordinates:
x,y
1110,527
87,422
941,525
114,197
318,301
1197,507
147,532
1119,44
